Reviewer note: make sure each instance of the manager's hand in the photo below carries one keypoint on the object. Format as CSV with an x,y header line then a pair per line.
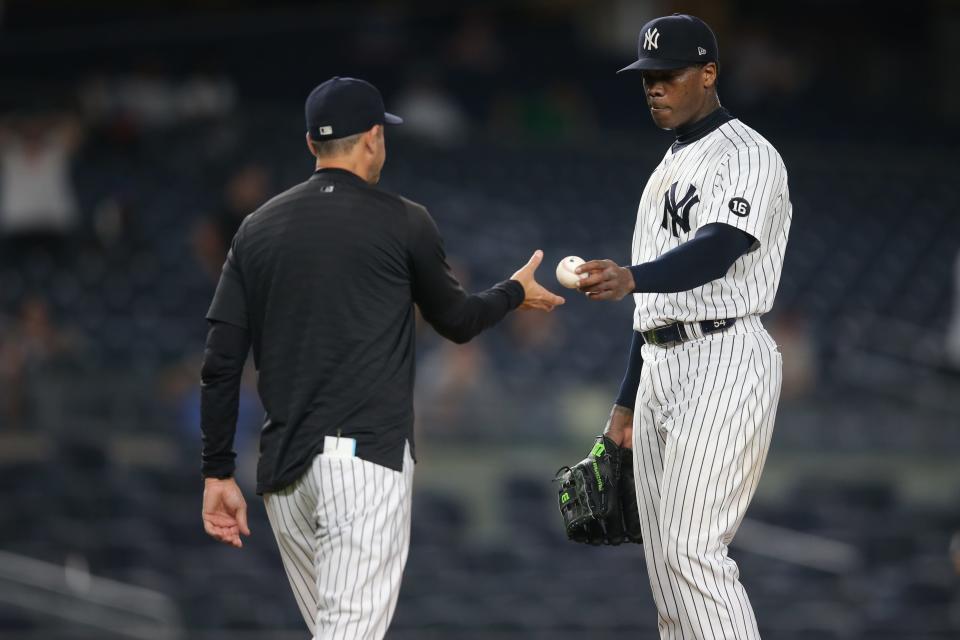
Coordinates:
x,y
224,511
535,296
605,280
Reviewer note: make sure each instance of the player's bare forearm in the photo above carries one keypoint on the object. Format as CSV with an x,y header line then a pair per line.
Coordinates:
x,y
620,426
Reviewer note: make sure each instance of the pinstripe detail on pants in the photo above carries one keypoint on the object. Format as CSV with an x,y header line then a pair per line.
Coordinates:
x,y
702,428
343,530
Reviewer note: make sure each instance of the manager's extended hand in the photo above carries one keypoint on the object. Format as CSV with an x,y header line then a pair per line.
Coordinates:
x,y
605,280
224,511
535,296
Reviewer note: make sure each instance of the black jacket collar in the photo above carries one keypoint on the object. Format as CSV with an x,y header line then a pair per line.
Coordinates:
x,y
340,175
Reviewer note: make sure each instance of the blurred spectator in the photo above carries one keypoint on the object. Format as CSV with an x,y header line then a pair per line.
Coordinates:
x,y
456,394
38,203
244,192
28,348
561,112
113,223
475,46
532,347
534,336
764,68
457,388
381,37
795,341
473,57
532,356
150,98
955,552
953,327
429,112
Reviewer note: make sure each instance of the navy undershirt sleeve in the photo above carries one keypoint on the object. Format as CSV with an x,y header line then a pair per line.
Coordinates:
x,y
702,259
631,379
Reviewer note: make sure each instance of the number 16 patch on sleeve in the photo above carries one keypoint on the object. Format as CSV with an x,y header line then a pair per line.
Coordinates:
x,y
739,207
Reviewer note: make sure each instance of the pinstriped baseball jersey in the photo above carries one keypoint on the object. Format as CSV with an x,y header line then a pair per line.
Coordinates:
x,y
731,176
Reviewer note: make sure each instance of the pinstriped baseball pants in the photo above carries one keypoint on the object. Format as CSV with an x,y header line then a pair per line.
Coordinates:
x,y
702,427
343,530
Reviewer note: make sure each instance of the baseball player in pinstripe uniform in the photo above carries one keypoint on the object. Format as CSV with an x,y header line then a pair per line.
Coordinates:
x,y
321,282
698,400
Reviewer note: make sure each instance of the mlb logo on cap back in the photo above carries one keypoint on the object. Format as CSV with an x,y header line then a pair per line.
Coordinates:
x,y
673,42
341,107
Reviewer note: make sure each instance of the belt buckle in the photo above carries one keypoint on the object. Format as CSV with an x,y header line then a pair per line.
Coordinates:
x,y
664,343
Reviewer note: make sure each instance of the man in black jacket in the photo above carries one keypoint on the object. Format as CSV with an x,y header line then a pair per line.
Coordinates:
x,y
321,281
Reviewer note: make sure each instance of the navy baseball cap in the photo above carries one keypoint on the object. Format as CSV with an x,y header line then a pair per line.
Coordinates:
x,y
673,42
341,107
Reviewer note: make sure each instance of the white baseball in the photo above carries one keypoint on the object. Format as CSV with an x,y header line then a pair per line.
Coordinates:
x,y
566,271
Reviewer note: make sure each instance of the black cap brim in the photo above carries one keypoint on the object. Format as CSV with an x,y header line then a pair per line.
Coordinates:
x,y
657,64
389,118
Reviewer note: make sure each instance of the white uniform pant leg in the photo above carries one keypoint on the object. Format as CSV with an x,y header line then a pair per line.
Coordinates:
x,y
343,531
292,515
709,413
648,451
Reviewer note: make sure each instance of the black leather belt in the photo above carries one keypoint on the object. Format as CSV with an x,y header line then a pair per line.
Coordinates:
x,y
676,333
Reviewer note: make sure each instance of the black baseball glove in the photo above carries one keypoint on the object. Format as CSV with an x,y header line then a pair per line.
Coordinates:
x,y
598,500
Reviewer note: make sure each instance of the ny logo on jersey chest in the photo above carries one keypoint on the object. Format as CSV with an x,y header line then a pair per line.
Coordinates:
x,y
676,213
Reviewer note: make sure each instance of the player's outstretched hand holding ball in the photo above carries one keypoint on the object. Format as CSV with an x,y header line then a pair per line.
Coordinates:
x,y
224,511
604,280
535,295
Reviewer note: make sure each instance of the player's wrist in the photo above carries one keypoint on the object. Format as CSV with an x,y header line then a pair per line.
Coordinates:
x,y
214,479
623,410
635,272
619,427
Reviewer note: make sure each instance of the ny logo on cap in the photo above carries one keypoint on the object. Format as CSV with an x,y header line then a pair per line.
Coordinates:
x,y
650,39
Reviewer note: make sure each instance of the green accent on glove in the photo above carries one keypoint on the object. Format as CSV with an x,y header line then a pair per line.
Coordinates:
x,y
596,474
598,449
